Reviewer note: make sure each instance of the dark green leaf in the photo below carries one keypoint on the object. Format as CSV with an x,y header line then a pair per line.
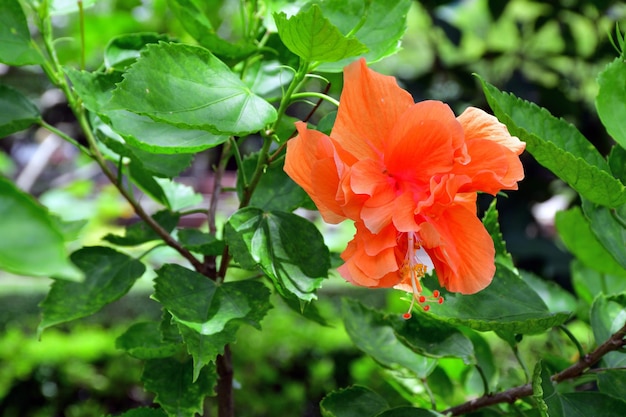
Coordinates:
x,y
189,87
608,315
617,162
312,37
383,24
490,220
613,382
171,381
143,412
558,146
123,50
507,305
484,357
374,335
288,248
577,235
145,341
610,99
197,24
432,338
585,404
140,232
16,111
409,412
31,242
608,227
108,276
146,182
275,190
308,310
15,40
204,243
355,401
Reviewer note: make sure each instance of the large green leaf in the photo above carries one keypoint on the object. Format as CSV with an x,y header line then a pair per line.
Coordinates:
x,y
15,40
189,87
608,315
123,50
288,248
577,235
108,276
313,38
612,382
31,243
610,99
374,335
558,146
355,401
608,227
380,24
144,340
507,305
171,380
16,111
192,16
209,314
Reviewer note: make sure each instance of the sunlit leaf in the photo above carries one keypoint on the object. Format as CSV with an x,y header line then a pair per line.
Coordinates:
x,y
15,40
374,335
16,111
558,146
179,196
355,401
189,87
610,99
108,276
32,243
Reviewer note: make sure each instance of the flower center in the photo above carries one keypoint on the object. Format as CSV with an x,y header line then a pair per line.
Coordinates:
x,y
414,267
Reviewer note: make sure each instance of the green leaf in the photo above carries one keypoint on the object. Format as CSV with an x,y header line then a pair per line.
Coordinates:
x,y
490,220
202,92
556,298
382,24
179,196
195,21
617,162
203,243
140,232
143,412
209,314
355,401
507,305
612,382
581,404
16,111
610,99
558,146
15,41
288,248
108,276
171,381
123,50
145,341
608,315
577,235
31,243
374,335
275,191
588,283
432,338
313,38
609,230
541,378
409,412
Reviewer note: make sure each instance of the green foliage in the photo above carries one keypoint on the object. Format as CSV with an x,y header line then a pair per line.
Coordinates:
x,y
16,46
612,83
16,111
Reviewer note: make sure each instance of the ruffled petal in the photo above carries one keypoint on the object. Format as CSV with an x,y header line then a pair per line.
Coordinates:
x,y
371,104
478,124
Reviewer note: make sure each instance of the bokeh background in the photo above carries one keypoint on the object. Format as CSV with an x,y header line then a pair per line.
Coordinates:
x,y
546,52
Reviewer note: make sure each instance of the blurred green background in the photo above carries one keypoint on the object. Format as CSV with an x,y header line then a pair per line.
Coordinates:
x,y
545,52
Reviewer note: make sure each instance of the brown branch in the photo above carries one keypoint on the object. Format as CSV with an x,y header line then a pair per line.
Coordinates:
x,y
225,403
615,342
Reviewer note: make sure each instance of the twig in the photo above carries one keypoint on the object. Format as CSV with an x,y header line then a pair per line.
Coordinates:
x,y
615,342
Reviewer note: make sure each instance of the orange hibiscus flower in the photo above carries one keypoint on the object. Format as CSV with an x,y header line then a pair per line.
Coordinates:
x,y
408,174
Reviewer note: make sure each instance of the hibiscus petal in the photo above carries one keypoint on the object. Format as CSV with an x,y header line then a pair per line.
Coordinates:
x,y
371,103
464,258
478,124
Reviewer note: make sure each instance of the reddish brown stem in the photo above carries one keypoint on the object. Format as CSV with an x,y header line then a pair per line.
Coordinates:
x,y
225,402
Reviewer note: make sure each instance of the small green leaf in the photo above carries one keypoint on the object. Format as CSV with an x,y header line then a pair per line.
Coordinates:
x,y
313,38
145,341
558,146
608,315
610,99
612,382
288,248
123,50
275,191
179,196
355,401
171,381
541,377
15,41
31,242
204,243
143,412
608,227
577,235
507,305
490,220
108,276
16,111
406,411
375,336
188,87
140,232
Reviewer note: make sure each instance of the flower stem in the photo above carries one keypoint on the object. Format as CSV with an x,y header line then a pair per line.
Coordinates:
x,y
570,335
